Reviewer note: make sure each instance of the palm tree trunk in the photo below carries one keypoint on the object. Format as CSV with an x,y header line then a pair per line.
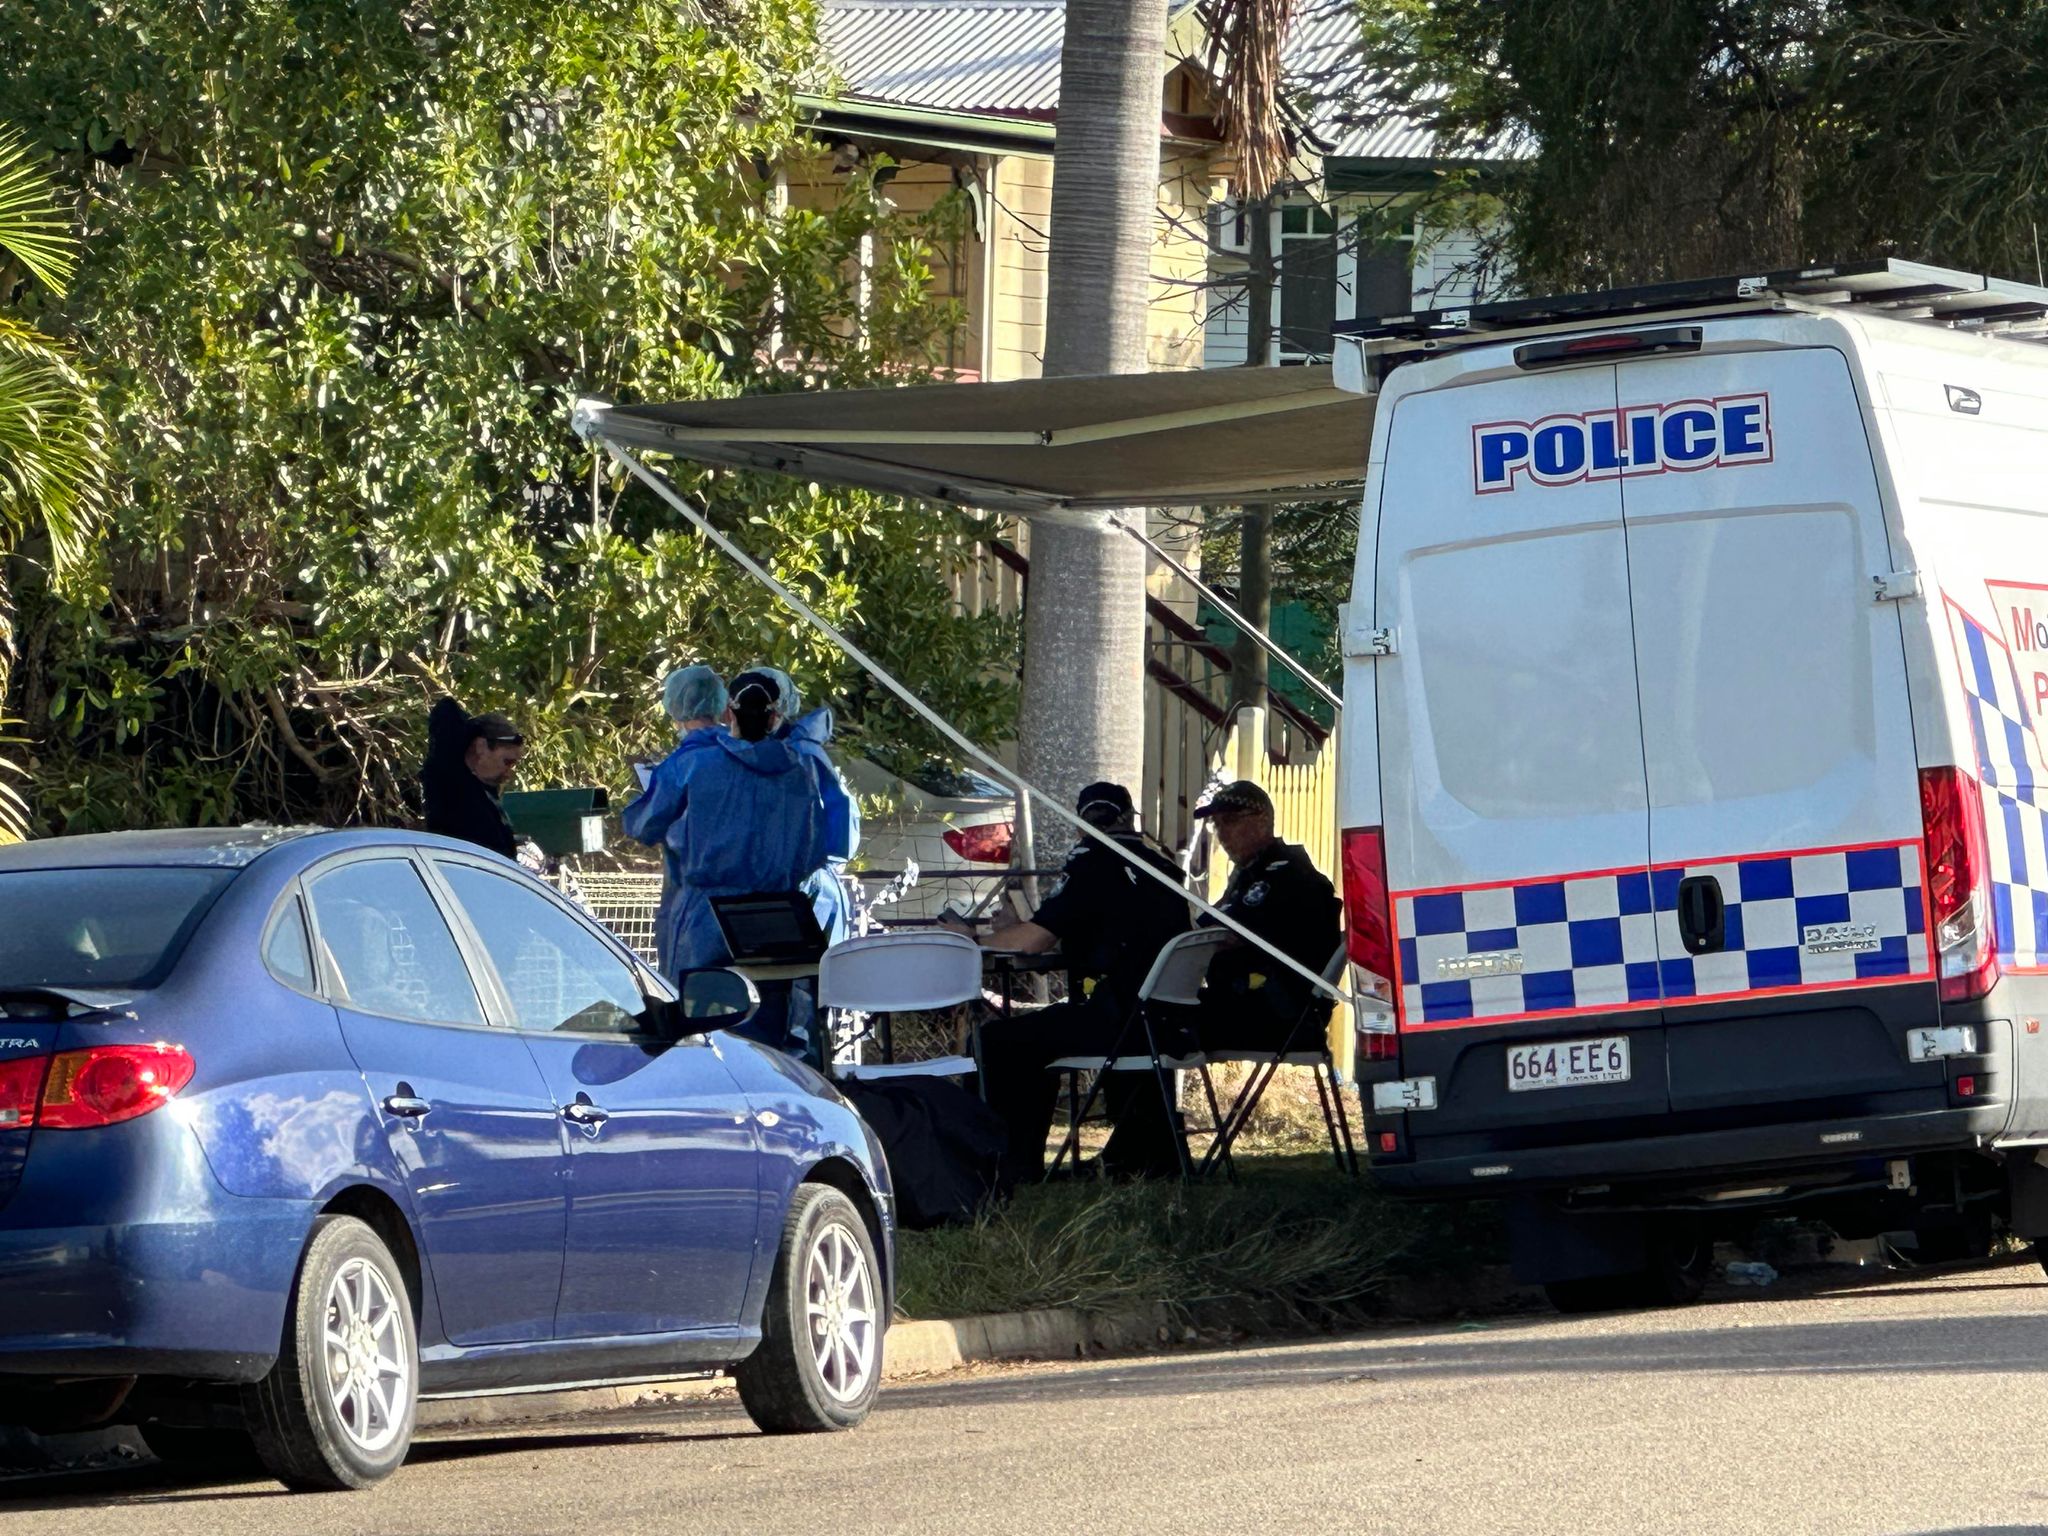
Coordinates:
x,y
1082,712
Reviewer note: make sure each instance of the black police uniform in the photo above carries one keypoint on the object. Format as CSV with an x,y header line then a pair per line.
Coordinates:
x,y
1111,922
1250,1001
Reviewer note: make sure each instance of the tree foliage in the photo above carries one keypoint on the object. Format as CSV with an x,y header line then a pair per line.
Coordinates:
x,y
1654,142
51,435
348,263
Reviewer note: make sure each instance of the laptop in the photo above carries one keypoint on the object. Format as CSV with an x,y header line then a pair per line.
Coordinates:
x,y
771,928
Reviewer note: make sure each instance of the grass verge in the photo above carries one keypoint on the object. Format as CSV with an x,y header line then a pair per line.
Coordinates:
x,y
1291,1244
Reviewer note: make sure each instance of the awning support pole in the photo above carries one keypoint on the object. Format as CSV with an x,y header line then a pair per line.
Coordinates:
x,y
593,429
1264,641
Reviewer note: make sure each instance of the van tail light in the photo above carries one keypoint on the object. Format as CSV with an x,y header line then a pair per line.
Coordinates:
x,y
21,1089
985,844
107,1084
1369,921
1965,938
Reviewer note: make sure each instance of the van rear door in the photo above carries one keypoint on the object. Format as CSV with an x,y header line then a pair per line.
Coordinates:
x,y
1776,734
1515,800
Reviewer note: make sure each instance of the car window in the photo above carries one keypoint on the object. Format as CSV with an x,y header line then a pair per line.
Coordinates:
x,y
114,927
389,946
286,951
557,973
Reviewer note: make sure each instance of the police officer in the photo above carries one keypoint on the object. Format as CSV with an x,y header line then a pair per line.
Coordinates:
x,y
1249,1000
1110,922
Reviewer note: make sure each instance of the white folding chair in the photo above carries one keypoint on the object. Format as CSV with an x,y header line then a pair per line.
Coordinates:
x,y
905,970
1307,1045
1175,980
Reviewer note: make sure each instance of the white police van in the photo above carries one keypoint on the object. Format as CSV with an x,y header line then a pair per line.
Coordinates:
x,y
1696,763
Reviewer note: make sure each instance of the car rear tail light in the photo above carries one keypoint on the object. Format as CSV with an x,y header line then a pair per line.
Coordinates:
x,y
1369,917
1965,938
985,844
1542,354
106,1084
1378,1045
21,1087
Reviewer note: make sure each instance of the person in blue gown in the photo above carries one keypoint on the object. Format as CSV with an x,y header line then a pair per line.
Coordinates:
x,y
809,734
695,699
734,814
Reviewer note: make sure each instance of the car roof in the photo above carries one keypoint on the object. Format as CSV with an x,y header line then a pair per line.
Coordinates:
x,y
216,847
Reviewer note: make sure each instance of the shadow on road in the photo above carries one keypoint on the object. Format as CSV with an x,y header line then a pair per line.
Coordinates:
x,y
157,1484
1904,1346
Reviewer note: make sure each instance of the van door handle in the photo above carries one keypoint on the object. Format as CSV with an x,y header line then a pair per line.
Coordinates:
x,y
585,1113
1702,915
405,1106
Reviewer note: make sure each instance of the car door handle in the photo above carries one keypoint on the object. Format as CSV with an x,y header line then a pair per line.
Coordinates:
x,y
1702,915
405,1106
583,1112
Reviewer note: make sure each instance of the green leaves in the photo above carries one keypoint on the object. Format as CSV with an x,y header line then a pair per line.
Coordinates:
x,y
350,263
32,230
1655,142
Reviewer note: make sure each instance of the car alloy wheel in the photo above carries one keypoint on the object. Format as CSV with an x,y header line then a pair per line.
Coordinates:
x,y
839,1305
368,1372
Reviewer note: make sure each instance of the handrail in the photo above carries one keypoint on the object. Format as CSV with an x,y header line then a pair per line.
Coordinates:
x,y
1193,636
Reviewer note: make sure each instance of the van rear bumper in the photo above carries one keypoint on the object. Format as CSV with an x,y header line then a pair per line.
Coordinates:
x,y
1708,1156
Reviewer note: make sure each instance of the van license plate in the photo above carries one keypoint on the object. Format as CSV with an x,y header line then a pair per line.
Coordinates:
x,y
1568,1063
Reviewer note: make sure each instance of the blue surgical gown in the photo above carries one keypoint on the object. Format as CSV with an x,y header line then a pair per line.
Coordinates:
x,y
732,817
841,814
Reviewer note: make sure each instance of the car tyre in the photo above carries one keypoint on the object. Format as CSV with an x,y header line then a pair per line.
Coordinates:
x,y
819,1363
337,1409
218,1452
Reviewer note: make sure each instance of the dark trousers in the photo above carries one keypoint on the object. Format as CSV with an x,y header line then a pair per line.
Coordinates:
x,y
1014,1056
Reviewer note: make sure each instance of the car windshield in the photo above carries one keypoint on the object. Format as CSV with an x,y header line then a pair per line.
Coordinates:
x,y
100,928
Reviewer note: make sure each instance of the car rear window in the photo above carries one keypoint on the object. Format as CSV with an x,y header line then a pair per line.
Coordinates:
x,y
100,927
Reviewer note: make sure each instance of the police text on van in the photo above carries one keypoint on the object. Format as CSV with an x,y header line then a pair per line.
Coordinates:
x,y
1634,440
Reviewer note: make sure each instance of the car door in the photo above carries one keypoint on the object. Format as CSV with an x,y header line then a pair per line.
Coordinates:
x,y
1516,814
1777,735
469,1119
664,1178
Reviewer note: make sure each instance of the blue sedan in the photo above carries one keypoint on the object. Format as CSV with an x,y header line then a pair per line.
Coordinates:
x,y
297,1128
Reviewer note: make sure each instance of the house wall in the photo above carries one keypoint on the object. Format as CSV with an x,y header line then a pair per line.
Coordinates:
x,y
1437,281
1180,262
1021,223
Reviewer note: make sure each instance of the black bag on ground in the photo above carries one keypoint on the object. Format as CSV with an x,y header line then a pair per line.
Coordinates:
x,y
942,1142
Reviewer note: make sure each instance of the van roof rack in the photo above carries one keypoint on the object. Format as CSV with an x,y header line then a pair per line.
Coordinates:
x,y
1905,290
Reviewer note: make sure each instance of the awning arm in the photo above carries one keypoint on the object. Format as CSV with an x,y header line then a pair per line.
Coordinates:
x,y
1264,641
589,424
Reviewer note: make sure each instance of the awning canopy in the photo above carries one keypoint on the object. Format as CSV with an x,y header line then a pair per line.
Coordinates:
x,y
1224,435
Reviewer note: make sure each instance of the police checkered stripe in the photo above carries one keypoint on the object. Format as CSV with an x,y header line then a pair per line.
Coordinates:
x,y
1588,943
2010,767
2016,834
2001,726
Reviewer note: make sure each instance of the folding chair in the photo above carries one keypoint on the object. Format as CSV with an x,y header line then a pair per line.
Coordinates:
x,y
906,970
1175,980
1307,1045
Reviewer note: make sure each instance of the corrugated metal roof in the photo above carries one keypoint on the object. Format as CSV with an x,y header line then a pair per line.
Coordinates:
x,y
1000,56
1003,57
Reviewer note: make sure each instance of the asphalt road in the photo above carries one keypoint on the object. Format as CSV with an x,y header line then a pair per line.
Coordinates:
x,y
1885,1408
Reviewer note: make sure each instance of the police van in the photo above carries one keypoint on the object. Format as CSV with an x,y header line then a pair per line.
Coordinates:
x,y
1695,756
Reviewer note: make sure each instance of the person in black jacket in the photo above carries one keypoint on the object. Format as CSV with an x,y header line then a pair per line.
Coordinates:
x,y
470,759
1110,922
1250,1001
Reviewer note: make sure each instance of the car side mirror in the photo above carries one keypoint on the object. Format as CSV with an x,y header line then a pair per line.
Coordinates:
x,y
714,998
